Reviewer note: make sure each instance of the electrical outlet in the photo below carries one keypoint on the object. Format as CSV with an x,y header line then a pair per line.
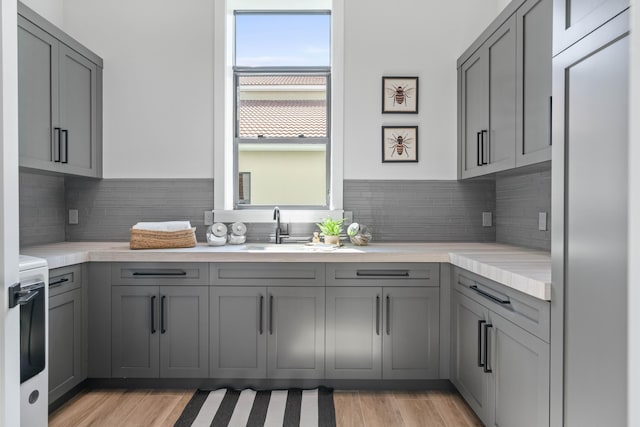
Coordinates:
x,y
542,221
73,216
487,219
208,217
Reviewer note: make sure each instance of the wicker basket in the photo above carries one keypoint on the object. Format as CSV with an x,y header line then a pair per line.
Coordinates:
x,y
147,239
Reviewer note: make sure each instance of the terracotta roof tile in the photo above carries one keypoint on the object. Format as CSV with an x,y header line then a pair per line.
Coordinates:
x,y
289,118
281,80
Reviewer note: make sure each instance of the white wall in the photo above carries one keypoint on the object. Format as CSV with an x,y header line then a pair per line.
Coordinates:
x,y
53,10
158,91
9,239
409,37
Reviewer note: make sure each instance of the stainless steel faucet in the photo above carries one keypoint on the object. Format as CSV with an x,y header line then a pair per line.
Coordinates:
x,y
276,217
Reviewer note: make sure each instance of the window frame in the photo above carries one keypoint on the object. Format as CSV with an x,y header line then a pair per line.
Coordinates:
x,y
240,71
223,111
238,140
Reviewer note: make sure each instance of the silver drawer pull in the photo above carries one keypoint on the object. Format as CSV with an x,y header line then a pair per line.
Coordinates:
x,y
382,273
488,295
58,282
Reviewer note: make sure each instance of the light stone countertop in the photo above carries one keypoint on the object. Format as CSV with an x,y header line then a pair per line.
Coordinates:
x,y
526,270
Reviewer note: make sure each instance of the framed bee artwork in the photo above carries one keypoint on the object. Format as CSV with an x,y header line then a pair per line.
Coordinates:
x,y
399,144
400,95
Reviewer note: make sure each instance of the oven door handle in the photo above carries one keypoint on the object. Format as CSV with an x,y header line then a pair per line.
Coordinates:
x,y
20,296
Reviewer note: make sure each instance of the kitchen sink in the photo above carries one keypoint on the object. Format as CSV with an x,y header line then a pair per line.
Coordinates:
x,y
297,248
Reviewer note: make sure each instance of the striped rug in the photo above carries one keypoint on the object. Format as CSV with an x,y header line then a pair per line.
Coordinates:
x,y
239,408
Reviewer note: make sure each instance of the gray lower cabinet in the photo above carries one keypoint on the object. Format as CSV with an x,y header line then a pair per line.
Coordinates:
x,y
383,321
238,327
65,331
60,100
267,332
467,374
160,331
499,361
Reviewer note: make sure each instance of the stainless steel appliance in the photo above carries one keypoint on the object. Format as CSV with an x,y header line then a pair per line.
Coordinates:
x,y
32,294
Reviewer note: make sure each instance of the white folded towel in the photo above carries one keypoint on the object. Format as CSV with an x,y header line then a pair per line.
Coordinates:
x,y
163,226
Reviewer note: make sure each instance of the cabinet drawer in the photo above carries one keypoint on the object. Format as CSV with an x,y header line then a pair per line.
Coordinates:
x,y
383,274
159,273
64,279
531,314
267,274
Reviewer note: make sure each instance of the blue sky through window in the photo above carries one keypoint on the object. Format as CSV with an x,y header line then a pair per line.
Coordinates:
x,y
279,40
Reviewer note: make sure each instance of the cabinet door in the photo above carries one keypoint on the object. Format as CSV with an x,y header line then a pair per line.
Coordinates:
x,y
295,346
238,332
467,374
184,331
65,342
520,379
533,137
78,113
591,124
498,148
354,333
135,332
474,113
574,19
411,333
37,96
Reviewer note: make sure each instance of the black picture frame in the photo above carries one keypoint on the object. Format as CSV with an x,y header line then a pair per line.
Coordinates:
x,y
400,95
400,144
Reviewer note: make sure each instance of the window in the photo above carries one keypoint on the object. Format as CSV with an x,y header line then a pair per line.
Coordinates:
x,y
282,93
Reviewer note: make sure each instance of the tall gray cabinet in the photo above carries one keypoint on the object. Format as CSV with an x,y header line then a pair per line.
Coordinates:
x,y
590,165
59,100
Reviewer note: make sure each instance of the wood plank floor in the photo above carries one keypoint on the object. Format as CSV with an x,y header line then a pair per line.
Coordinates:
x,y
138,408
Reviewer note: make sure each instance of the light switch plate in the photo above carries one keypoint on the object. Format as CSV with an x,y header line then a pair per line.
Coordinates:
x,y
208,217
487,219
542,221
73,216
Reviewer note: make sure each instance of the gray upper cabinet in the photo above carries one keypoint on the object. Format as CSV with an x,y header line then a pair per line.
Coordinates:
x,y
295,347
160,331
488,111
574,19
238,332
60,100
411,340
533,95
504,92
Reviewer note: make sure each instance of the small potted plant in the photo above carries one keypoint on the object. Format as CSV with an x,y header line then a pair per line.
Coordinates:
x,y
331,229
